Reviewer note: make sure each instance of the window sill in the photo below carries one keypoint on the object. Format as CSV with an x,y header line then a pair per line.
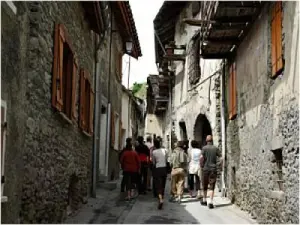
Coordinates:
x,y
279,195
4,199
86,134
65,118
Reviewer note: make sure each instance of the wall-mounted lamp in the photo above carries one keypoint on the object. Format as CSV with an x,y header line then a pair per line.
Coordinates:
x,y
129,46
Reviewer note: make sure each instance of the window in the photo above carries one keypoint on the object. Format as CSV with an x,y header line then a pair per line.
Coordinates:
x,y
119,58
64,74
86,111
3,138
277,56
232,92
194,71
279,161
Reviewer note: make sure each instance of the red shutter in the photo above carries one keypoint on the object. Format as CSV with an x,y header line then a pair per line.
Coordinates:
x,y
82,100
74,88
91,111
276,40
57,79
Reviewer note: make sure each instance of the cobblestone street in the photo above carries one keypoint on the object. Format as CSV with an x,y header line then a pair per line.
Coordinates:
x,y
110,208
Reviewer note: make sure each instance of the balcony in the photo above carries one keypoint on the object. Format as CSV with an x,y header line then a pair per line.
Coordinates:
x,y
158,93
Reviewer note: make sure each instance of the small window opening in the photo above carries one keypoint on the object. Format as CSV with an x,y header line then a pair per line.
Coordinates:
x,y
279,163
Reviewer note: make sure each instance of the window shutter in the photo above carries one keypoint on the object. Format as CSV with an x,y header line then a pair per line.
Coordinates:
x,y
74,87
276,40
82,99
57,81
3,138
91,116
120,134
120,65
112,129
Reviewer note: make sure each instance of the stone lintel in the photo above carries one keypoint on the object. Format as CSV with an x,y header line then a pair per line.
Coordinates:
x,y
279,195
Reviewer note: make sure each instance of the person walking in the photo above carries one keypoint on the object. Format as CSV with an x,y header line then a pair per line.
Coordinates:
x,y
131,165
144,156
194,168
159,160
208,161
149,175
179,162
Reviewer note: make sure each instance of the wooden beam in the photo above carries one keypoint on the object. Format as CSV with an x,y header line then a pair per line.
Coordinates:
x,y
174,57
179,47
239,4
195,22
220,41
229,26
215,55
234,19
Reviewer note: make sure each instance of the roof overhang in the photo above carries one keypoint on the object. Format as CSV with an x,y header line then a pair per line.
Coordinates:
x,y
225,27
164,26
126,25
94,15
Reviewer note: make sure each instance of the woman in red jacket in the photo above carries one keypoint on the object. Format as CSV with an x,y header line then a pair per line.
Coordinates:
x,y
131,166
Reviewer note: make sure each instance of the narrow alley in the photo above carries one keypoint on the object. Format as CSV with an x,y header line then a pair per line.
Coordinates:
x,y
143,210
99,98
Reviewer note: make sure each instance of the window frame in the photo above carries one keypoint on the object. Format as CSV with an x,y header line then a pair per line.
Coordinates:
x,y
86,103
3,143
119,64
117,131
64,82
277,58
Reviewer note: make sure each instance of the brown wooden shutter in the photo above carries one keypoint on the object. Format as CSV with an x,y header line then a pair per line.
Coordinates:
x,y
91,111
120,134
74,88
120,65
276,39
57,79
112,130
82,100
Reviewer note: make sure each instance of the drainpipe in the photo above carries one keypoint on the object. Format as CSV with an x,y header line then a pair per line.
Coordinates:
x,y
97,107
223,128
108,96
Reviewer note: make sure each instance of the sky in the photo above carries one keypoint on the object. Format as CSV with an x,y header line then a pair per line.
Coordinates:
x,y
144,13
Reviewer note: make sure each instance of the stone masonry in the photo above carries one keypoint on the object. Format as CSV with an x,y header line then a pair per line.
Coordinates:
x,y
267,120
53,166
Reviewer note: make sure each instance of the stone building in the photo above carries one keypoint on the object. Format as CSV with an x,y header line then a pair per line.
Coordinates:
x,y
133,116
54,69
243,78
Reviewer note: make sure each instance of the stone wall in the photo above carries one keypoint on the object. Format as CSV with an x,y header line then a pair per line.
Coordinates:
x,y
56,154
267,119
191,100
14,29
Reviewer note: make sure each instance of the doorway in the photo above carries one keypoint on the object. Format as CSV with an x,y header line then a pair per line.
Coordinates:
x,y
202,128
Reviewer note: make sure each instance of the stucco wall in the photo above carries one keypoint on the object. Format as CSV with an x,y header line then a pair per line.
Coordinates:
x,y
204,98
268,119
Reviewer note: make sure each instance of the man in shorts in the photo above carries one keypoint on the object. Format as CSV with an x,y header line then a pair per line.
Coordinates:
x,y
208,161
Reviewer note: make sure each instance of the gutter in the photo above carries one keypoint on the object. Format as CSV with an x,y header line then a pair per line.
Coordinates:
x,y
97,107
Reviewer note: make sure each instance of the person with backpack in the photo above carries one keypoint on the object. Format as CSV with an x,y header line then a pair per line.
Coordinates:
x,y
179,162
144,155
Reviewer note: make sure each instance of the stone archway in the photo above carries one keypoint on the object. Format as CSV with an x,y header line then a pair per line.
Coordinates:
x,y
183,132
202,128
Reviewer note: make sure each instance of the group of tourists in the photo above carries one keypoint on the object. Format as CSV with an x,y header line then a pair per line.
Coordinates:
x,y
144,162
